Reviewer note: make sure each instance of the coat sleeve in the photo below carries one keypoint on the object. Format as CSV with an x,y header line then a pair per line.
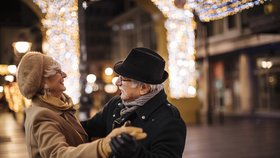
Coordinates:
x,y
167,142
97,126
52,143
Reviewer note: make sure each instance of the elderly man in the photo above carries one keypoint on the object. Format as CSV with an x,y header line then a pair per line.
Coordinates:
x,y
143,103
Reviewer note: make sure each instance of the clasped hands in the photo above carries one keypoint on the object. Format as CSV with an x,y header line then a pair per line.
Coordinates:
x,y
121,141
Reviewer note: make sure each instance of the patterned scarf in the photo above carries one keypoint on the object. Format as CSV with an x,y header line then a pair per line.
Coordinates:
x,y
133,105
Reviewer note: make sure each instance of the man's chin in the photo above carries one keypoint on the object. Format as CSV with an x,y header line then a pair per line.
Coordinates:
x,y
123,98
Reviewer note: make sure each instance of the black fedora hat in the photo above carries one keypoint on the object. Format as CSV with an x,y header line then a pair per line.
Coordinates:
x,y
143,64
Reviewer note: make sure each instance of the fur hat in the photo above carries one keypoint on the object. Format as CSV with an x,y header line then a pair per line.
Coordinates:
x,y
143,64
30,72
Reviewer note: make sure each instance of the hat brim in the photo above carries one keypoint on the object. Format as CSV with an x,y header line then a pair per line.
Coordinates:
x,y
120,69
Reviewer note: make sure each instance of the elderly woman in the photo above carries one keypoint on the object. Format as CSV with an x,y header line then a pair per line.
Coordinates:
x,y
52,130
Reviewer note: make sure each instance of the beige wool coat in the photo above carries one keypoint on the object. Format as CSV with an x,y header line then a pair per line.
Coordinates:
x,y
53,133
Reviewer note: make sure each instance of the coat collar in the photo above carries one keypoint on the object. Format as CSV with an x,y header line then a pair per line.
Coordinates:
x,y
150,106
38,102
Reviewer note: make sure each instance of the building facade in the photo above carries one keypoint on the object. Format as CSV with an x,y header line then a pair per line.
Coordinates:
x,y
134,28
238,60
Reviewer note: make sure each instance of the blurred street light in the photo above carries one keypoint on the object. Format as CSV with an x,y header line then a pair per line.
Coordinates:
x,y
84,4
12,69
91,78
110,88
108,71
114,80
266,64
88,89
22,46
9,78
1,89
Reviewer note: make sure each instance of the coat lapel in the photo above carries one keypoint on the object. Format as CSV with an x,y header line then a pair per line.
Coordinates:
x,y
67,115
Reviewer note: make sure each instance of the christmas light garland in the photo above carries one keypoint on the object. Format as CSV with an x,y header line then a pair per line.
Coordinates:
x,y
62,37
217,9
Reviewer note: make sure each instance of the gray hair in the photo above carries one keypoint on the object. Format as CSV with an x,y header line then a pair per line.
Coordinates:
x,y
154,87
52,70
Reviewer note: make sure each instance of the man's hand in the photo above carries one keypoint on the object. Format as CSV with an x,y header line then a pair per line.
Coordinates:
x,y
123,145
104,147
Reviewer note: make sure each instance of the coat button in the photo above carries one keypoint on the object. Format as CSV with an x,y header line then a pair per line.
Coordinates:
x,y
143,117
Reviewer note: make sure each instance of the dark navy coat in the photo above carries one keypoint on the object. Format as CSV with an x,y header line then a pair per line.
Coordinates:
x,y
166,131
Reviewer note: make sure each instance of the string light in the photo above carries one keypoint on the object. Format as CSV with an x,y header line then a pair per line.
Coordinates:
x,y
62,39
4,70
180,36
14,98
217,9
180,44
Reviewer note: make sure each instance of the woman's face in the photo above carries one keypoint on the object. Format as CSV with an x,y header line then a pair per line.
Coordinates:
x,y
55,83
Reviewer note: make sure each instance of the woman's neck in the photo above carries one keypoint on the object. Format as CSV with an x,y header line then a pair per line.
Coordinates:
x,y
56,94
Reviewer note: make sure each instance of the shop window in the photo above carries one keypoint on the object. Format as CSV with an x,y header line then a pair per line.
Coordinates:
x,y
222,26
218,27
267,74
231,20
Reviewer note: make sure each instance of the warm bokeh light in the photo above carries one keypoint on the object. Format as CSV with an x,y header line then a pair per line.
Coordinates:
x,y
213,9
14,98
180,44
12,69
88,89
4,70
9,78
1,89
109,71
22,46
266,64
110,88
114,80
91,78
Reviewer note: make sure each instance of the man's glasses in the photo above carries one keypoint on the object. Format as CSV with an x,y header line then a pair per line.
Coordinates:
x,y
122,79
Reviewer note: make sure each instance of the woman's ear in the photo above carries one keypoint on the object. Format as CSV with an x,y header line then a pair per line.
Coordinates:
x,y
144,89
44,84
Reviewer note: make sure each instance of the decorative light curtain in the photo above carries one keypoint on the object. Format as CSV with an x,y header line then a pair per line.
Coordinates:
x,y
62,39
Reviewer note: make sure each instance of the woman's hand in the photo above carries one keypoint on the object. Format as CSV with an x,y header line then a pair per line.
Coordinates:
x,y
104,144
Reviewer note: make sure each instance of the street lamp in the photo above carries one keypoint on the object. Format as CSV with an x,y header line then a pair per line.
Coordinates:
x,y
109,71
91,78
10,78
12,69
22,46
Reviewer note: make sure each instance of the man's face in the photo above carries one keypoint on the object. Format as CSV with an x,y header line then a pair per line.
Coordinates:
x,y
129,90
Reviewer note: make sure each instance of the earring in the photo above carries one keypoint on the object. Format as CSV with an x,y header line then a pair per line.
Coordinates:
x,y
46,89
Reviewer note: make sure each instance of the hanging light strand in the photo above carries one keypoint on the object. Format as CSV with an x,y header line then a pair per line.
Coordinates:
x,y
208,10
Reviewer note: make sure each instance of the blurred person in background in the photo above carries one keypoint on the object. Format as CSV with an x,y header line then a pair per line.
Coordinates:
x,y
144,104
51,128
